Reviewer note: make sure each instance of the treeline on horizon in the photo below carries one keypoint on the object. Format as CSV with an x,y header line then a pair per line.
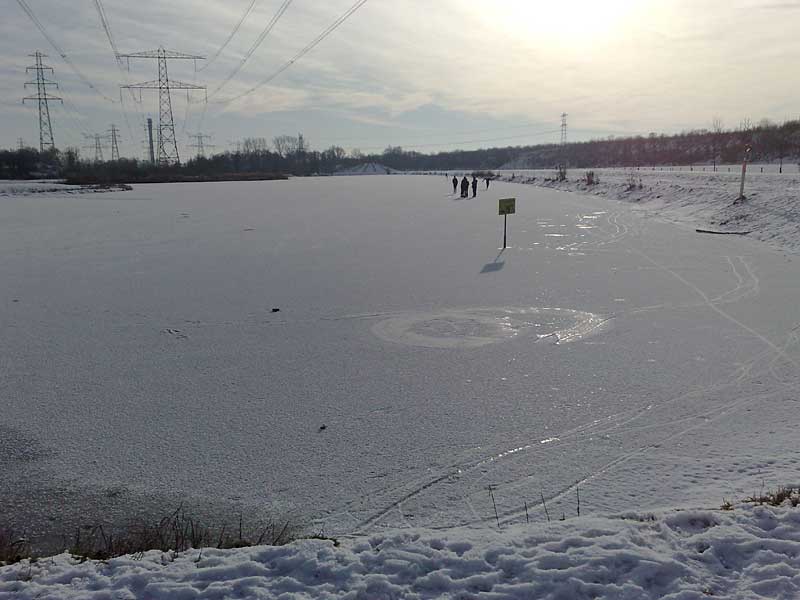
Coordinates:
x,y
292,155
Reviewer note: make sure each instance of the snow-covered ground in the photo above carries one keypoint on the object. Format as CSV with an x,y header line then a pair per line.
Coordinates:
x,y
698,197
606,353
745,554
28,187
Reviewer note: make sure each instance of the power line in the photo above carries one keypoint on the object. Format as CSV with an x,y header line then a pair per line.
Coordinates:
x,y
230,36
262,36
101,13
57,48
308,48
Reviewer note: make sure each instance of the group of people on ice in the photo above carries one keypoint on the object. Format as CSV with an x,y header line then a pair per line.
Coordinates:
x,y
465,185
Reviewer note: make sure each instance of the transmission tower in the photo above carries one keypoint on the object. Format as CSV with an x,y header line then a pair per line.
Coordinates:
x,y
42,97
167,144
20,144
96,145
563,129
199,144
112,134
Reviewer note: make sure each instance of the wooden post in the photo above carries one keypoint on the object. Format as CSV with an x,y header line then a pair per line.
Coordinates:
x,y
744,171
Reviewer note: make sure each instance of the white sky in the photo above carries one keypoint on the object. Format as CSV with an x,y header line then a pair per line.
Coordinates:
x,y
430,74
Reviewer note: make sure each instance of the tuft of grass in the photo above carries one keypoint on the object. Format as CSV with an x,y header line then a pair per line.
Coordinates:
x,y
175,533
13,547
776,498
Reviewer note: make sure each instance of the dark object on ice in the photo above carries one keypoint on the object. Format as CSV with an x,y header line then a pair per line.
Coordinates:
x,y
323,427
722,232
15,300
465,187
487,183
474,186
455,183
276,310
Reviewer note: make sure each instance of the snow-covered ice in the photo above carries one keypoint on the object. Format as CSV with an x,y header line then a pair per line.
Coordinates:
x,y
142,359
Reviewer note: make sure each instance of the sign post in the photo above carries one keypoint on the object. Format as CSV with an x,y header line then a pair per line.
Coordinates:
x,y
507,206
747,151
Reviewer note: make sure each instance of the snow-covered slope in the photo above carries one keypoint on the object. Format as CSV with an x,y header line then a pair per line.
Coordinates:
x,y
771,211
367,169
747,553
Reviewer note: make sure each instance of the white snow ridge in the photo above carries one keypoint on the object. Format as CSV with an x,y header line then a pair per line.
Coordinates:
x,y
750,552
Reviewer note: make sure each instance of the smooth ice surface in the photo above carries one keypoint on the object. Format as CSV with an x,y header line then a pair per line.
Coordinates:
x,y
140,352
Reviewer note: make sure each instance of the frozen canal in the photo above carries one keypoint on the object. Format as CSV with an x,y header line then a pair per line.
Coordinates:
x,y
411,364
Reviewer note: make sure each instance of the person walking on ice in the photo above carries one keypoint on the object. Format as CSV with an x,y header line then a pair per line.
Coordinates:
x,y
487,183
455,183
474,186
465,187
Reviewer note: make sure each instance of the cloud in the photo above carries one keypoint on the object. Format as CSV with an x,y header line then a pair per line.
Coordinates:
x,y
662,64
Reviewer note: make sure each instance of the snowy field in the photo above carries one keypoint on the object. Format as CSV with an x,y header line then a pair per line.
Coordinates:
x,y
606,353
698,198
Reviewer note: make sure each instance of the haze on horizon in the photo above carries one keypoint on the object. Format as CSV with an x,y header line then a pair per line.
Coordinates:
x,y
460,74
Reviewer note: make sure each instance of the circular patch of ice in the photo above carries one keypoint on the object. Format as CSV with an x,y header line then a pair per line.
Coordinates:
x,y
475,327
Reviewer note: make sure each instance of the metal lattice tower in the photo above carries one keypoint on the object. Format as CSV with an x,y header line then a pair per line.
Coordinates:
x,y
199,144
42,97
563,129
96,145
112,134
167,144
20,144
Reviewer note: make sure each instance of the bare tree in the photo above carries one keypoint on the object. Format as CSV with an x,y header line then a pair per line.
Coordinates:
x,y
285,145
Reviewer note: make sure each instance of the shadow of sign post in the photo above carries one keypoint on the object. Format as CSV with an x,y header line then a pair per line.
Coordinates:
x,y
495,265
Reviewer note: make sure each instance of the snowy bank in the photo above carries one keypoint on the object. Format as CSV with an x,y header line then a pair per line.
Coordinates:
x,y
367,169
703,199
749,552
33,187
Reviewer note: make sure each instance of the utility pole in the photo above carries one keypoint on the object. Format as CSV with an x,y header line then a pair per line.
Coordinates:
x,y
167,144
42,97
114,145
198,143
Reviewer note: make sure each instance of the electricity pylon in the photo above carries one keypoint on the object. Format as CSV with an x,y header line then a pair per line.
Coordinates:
x,y
97,146
167,144
42,97
199,144
563,129
112,135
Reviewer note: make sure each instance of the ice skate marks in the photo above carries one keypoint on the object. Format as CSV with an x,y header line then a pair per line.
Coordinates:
x,y
467,328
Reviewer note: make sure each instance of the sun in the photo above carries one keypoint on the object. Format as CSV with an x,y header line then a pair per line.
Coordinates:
x,y
565,21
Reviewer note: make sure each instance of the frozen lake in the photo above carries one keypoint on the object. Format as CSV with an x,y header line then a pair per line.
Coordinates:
x,y
141,355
